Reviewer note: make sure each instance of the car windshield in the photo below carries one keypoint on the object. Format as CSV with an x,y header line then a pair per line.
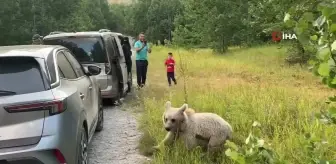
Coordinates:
x,y
20,75
85,49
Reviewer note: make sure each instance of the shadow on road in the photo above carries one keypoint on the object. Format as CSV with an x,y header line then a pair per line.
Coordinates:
x,y
108,103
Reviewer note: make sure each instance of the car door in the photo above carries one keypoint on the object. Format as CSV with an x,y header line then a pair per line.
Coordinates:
x,y
76,78
87,82
122,61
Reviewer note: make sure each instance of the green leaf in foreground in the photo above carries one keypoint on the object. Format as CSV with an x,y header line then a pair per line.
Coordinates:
x,y
298,30
235,156
290,23
332,162
312,62
309,16
333,81
323,54
319,21
314,37
324,69
247,140
333,28
333,46
287,17
327,11
232,145
232,154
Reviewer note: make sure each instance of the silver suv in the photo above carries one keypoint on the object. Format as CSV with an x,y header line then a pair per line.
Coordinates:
x,y
101,48
50,106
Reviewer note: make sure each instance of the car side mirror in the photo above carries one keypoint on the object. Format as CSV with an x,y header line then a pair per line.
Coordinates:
x,y
93,70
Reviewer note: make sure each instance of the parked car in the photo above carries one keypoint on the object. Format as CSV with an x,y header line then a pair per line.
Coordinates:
x,y
50,106
101,48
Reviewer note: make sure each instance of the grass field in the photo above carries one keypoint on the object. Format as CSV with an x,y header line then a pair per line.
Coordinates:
x,y
242,86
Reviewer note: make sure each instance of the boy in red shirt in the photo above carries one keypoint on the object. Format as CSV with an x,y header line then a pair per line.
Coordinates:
x,y
170,64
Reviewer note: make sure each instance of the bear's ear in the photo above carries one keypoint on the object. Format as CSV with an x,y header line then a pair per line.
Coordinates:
x,y
167,105
183,108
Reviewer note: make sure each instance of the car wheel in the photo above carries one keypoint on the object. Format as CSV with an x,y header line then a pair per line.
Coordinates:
x,y
83,148
100,123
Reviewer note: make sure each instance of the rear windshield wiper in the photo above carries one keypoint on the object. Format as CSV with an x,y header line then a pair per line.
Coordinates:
x,y
5,92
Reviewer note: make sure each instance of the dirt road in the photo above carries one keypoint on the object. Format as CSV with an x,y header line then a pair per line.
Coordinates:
x,y
117,143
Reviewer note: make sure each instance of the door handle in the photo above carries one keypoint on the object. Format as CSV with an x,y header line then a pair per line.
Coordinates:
x,y
90,87
81,95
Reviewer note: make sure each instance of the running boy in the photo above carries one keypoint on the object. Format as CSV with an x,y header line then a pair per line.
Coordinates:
x,y
170,64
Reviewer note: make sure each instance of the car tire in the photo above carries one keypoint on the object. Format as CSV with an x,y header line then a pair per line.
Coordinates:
x,y
82,156
100,123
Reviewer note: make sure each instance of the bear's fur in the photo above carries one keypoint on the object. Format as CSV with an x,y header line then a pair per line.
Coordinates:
x,y
207,130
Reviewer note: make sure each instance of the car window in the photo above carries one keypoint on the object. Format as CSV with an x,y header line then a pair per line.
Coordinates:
x,y
20,75
85,49
109,47
60,72
78,67
115,46
51,67
65,66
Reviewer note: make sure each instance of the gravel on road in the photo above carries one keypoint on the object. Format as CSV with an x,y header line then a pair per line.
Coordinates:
x,y
117,143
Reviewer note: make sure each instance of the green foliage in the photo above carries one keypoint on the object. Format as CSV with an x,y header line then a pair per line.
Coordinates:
x,y
210,24
154,17
254,151
313,145
317,33
300,15
20,20
296,54
213,24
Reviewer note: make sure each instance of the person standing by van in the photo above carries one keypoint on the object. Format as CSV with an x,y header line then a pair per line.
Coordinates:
x,y
141,61
128,53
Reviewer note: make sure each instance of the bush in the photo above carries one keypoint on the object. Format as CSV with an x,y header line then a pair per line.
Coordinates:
x,y
297,54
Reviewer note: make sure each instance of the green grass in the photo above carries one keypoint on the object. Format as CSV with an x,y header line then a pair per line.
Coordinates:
x,y
242,86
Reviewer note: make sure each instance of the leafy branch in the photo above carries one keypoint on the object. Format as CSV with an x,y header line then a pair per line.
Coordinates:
x,y
254,151
317,32
183,71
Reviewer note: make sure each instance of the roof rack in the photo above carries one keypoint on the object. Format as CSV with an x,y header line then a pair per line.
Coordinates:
x,y
104,30
119,33
55,32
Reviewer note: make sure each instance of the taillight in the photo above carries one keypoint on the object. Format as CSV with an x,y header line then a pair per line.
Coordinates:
x,y
54,107
59,156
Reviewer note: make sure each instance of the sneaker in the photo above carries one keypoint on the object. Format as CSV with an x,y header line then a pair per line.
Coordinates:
x,y
118,102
